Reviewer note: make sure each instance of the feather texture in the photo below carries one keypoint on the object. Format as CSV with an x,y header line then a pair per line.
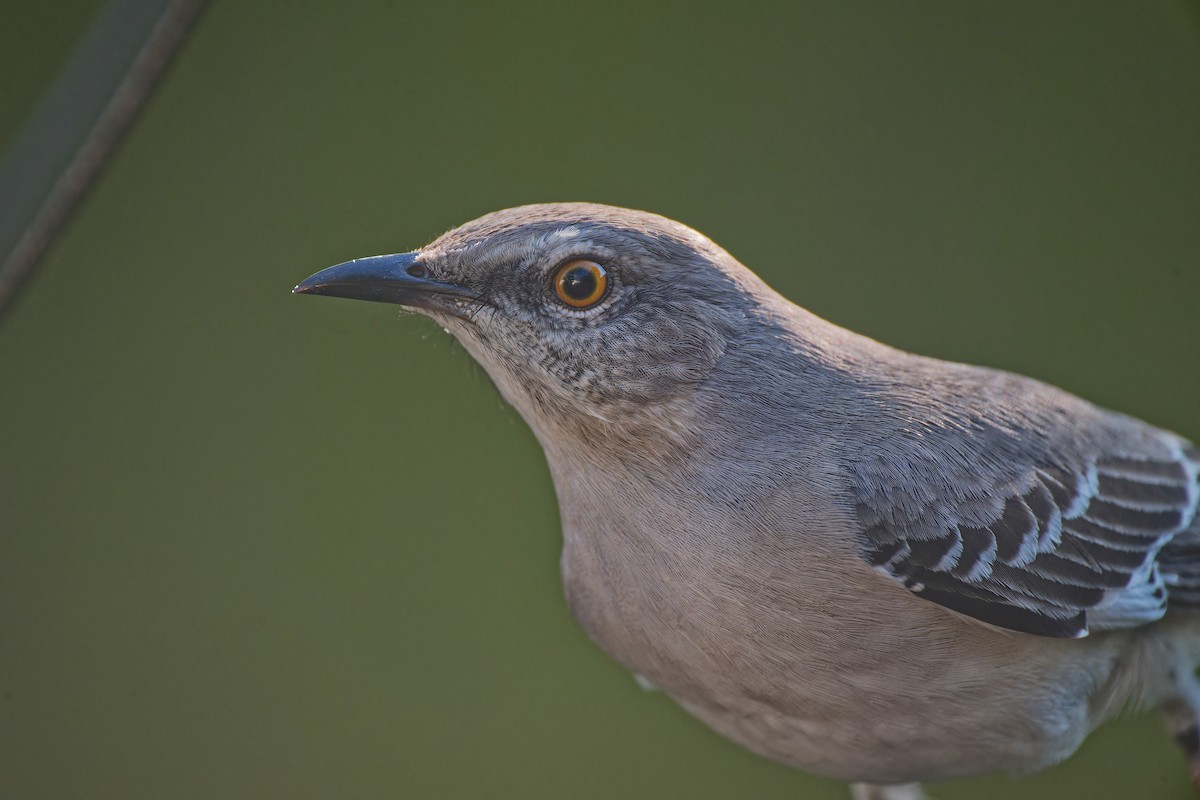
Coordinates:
x,y
1072,550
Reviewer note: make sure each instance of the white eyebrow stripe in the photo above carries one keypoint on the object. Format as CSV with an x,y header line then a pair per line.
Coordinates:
x,y
565,233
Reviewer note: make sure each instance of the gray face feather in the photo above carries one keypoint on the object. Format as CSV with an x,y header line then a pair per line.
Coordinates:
x,y
991,494
673,303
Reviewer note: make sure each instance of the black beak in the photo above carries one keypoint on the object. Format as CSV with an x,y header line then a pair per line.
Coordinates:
x,y
398,278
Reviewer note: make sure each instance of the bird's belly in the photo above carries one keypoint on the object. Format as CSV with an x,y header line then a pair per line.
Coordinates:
x,y
859,698
892,748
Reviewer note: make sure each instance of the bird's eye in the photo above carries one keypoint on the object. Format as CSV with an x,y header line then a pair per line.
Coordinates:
x,y
580,284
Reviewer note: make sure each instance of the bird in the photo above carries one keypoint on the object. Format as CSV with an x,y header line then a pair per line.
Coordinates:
x,y
861,562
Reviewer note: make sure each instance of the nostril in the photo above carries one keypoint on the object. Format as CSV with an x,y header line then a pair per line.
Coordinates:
x,y
417,270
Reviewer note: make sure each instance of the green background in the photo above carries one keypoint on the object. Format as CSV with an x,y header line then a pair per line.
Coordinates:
x,y
256,545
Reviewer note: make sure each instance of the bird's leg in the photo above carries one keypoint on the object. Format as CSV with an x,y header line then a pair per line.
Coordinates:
x,y
1182,713
890,791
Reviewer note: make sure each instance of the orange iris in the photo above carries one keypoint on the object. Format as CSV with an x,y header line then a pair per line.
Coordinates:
x,y
581,283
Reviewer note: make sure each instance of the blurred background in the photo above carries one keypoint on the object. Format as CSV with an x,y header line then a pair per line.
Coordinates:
x,y
256,545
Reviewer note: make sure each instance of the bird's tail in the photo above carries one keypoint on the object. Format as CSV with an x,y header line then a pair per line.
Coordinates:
x,y
1179,562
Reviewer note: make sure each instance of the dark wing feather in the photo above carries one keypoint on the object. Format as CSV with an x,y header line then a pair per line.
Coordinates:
x,y
1042,548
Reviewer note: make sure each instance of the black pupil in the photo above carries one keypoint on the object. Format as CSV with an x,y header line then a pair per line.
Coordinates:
x,y
579,283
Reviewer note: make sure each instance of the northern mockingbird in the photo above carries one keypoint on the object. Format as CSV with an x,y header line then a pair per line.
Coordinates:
x,y
858,561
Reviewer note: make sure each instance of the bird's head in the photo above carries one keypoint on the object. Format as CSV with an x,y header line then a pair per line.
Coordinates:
x,y
582,314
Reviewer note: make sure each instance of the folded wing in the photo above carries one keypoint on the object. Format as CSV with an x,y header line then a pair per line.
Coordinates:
x,y
1039,547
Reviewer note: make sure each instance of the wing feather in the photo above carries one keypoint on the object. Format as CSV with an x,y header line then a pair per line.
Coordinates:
x,y
1066,549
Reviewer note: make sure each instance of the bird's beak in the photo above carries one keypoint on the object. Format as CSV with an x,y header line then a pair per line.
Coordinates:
x,y
398,278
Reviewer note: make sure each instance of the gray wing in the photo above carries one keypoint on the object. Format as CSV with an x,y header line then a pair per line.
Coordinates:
x,y
1003,528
